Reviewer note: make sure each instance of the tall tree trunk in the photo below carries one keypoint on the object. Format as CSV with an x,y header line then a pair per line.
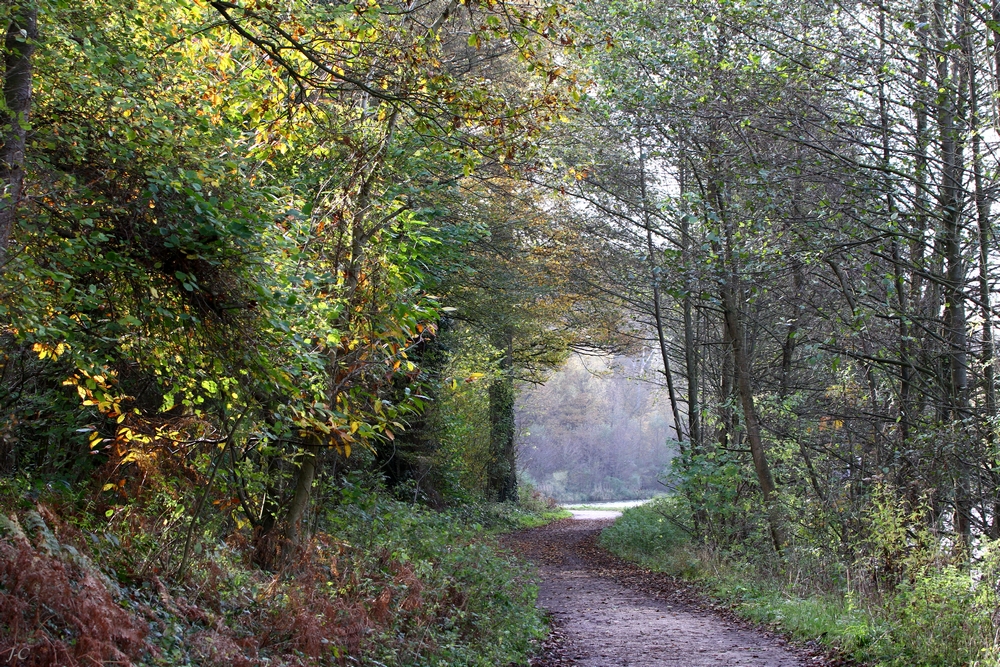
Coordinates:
x,y
690,337
892,215
744,384
791,336
654,275
918,240
19,46
921,292
984,234
751,421
502,471
951,197
995,16
787,354
727,391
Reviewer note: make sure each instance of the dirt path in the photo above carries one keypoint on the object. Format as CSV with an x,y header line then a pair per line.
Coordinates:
x,y
608,613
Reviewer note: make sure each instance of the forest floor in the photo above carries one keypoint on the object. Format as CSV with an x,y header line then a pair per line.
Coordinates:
x,y
607,612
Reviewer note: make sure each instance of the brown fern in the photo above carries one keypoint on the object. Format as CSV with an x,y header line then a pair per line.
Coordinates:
x,y
58,614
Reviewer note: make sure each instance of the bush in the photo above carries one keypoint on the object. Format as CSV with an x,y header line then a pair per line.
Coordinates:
x,y
653,536
935,620
476,602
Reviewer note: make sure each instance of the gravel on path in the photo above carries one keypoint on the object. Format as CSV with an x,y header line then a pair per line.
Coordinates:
x,y
606,612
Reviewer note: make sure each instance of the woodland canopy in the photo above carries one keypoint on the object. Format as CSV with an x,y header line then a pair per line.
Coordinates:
x,y
258,255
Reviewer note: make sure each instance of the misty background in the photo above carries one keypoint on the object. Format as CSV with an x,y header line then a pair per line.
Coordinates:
x,y
596,431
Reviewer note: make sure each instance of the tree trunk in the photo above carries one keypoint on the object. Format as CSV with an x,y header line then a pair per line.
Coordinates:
x,y
984,234
751,422
726,391
744,384
690,339
19,45
951,202
891,215
303,491
502,472
654,276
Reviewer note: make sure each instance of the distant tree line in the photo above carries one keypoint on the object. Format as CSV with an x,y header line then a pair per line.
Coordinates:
x,y
599,429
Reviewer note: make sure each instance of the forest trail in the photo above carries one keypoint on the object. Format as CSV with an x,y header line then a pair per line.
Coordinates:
x,y
609,613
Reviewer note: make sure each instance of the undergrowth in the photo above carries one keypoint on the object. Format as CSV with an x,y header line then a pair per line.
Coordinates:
x,y
531,512
381,582
936,614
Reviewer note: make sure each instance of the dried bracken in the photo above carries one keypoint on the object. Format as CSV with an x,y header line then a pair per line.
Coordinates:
x,y
57,612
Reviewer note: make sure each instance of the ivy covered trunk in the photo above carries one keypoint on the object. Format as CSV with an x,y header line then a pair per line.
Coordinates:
x,y
19,45
502,475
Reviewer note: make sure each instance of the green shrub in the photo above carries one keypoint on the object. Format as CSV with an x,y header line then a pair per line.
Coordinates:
x,y
652,535
935,620
478,599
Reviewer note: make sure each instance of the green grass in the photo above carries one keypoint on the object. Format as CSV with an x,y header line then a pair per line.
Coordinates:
x,y
646,535
498,518
830,619
538,519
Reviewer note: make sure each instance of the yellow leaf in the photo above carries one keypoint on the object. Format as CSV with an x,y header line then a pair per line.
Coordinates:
x,y
355,426
347,449
108,487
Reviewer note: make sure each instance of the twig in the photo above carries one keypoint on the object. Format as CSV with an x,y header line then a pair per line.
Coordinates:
x,y
204,496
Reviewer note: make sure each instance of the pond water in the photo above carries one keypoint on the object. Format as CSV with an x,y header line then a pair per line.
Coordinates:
x,y
607,506
606,510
